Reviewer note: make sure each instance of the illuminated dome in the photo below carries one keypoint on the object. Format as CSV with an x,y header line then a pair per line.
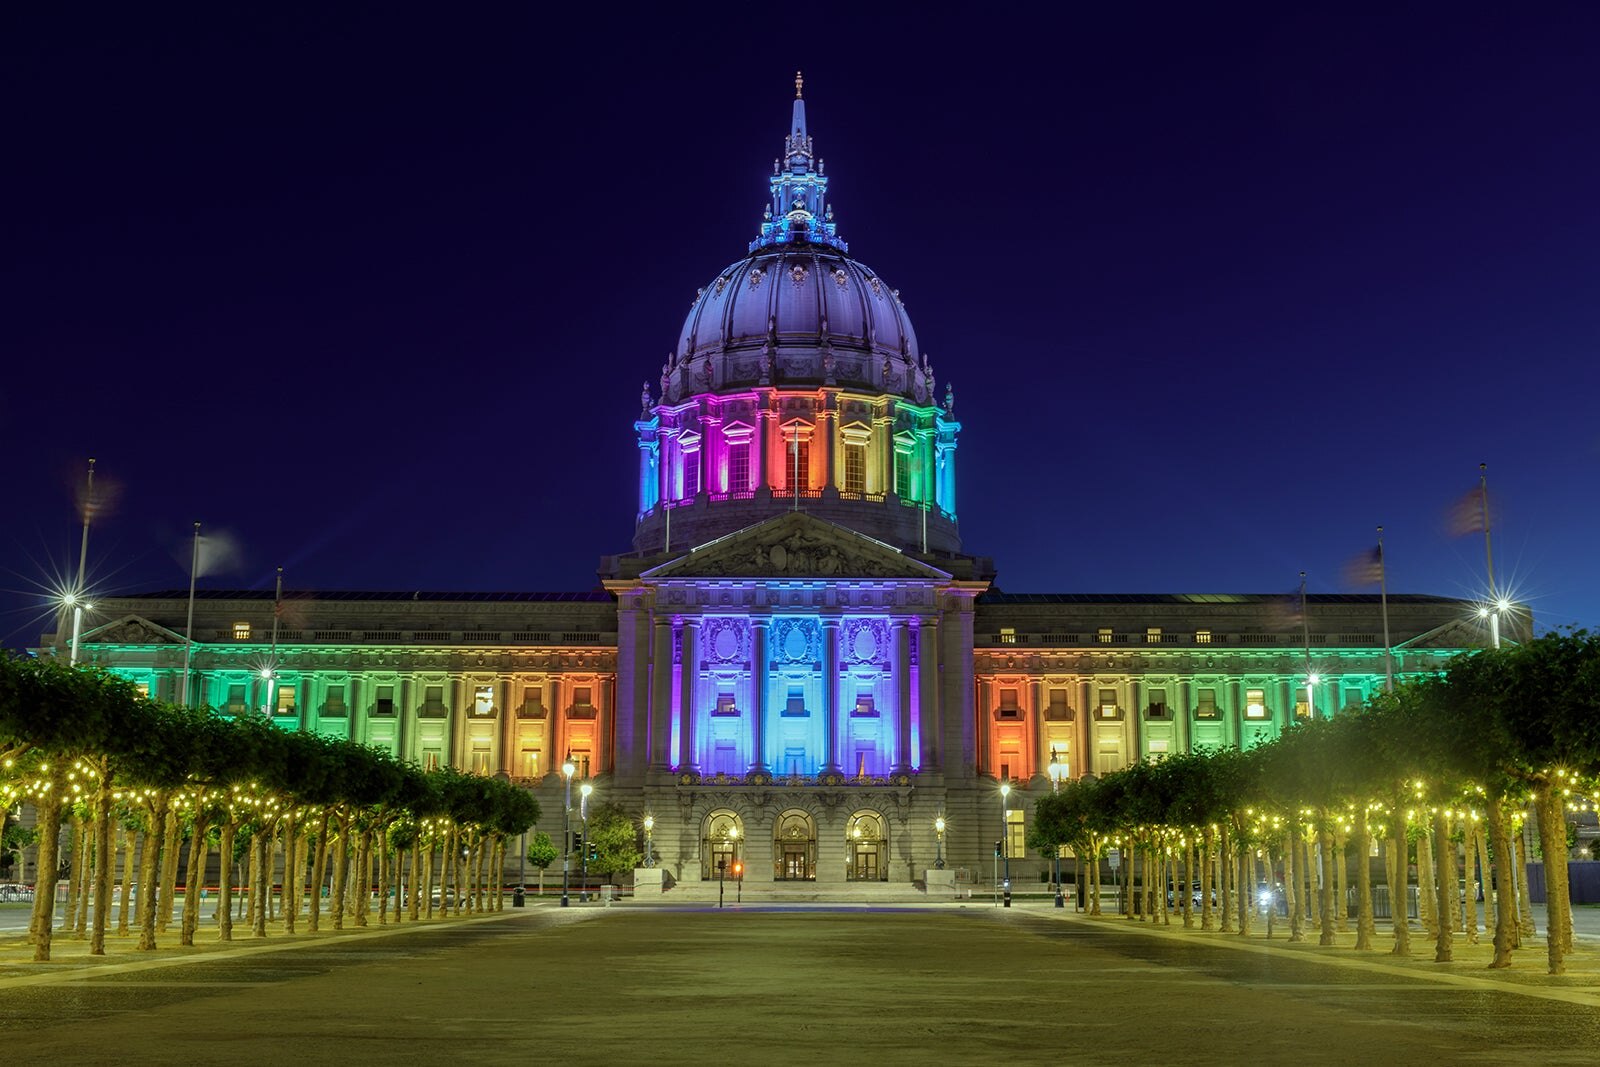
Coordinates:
x,y
796,384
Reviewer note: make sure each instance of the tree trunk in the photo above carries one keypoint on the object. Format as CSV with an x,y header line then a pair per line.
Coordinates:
x,y
427,878
1469,896
1427,900
261,883
80,926
1291,885
1341,881
1553,843
105,859
1519,874
149,903
194,880
1445,886
1241,879
74,829
1325,889
167,898
1486,880
1224,852
1208,883
291,872
319,872
128,841
1366,929
414,883
1188,882
1400,885
341,867
47,815
227,830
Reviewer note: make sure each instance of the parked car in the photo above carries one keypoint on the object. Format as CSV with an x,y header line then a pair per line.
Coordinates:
x,y
1196,896
15,893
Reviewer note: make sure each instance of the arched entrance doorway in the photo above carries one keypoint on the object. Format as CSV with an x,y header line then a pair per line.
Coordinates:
x,y
794,847
867,846
721,838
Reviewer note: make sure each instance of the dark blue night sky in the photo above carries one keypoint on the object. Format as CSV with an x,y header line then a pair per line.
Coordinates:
x,y
1219,291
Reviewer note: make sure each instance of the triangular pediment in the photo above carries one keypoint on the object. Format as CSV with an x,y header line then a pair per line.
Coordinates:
x,y
796,545
132,630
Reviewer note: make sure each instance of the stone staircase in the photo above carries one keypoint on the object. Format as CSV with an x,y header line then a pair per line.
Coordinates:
x,y
797,893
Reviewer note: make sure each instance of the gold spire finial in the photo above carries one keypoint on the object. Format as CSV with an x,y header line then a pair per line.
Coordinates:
x,y
799,83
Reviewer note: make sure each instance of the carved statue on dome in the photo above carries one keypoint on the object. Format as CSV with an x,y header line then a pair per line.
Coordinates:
x,y
644,397
949,399
706,372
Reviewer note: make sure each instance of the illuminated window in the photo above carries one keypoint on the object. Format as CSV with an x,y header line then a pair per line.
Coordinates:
x,y
855,468
530,762
333,703
902,475
866,707
235,704
144,689
1103,635
798,472
1202,637
286,700
691,474
241,631
1255,703
1206,704
796,705
1158,704
1008,635
383,703
1058,708
580,760
480,759
483,700
1152,635
1108,704
1016,835
1302,706
739,467
580,696
725,705
532,702
430,759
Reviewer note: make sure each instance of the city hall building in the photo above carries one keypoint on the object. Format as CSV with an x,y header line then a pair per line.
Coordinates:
x,y
797,663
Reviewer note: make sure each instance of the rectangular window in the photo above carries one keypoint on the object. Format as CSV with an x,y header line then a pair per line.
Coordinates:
x,y
794,760
144,689
1005,772
798,472
1255,703
1158,703
433,700
383,704
725,705
1008,704
902,475
1016,832
865,706
285,700
483,700
1103,635
530,762
796,705
532,702
235,700
480,759
580,696
1206,704
430,759
1302,707
1108,703
855,468
691,474
1202,637
739,467
1059,708
241,631
1353,697
580,760
1152,635
333,704
1008,635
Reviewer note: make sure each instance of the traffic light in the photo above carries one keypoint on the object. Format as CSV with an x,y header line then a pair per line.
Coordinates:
x,y
997,846
594,851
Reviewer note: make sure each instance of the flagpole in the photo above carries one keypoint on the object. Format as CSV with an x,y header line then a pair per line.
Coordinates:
x,y
272,656
1488,555
794,479
1383,600
1305,633
188,626
83,559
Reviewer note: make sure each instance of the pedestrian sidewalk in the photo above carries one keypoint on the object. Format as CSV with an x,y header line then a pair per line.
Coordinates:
x,y
1468,966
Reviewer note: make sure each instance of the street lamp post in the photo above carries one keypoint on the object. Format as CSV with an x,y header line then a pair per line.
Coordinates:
x,y
583,856
1058,770
938,843
566,834
1005,844
649,826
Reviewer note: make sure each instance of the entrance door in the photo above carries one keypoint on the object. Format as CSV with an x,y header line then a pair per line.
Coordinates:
x,y
867,864
795,868
794,848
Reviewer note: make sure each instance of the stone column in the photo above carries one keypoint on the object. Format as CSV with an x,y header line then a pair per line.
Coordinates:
x,y
929,719
830,692
455,734
502,746
1233,716
1039,756
402,716
1184,713
604,755
659,718
558,721
688,754
901,640
825,432
1136,720
1090,758
758,695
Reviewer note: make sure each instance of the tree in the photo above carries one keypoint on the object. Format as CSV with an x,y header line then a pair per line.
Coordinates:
x,y
542,853
612,838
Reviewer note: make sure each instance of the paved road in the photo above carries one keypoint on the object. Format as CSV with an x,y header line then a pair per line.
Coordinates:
x,y
895,985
